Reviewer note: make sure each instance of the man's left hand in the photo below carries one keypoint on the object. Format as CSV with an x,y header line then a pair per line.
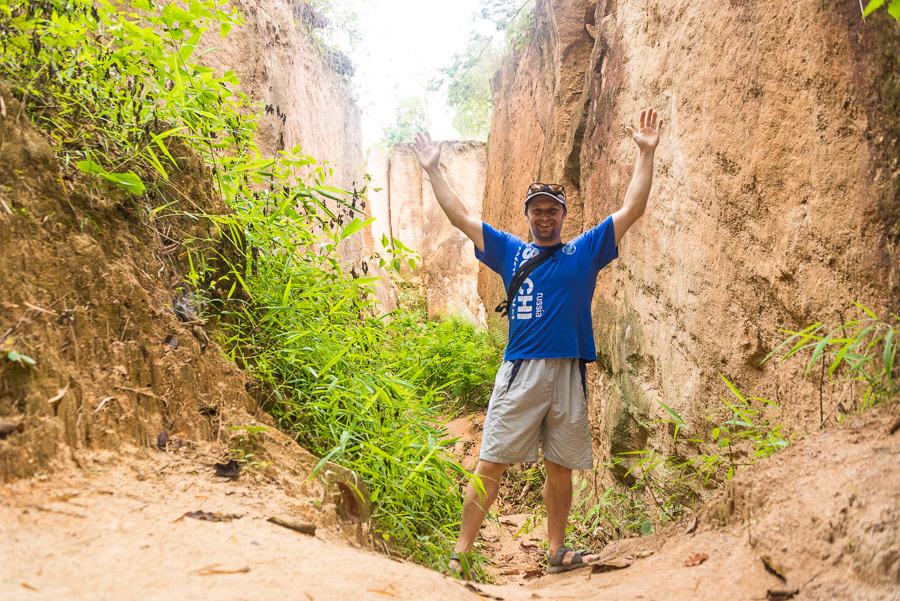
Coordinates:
x,y
647,136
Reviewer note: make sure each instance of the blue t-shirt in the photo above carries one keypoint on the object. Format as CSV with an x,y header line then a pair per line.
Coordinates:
x,y
551,316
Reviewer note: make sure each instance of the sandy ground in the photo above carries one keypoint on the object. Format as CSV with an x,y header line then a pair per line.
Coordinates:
x,y
825,515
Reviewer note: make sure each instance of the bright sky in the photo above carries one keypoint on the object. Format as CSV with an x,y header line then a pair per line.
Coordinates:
x,y
404,44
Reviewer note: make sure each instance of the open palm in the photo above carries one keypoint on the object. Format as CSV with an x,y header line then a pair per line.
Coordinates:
x,y
428,153
647,135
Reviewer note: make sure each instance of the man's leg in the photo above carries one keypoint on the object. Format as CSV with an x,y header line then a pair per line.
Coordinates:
x,y
558,500
476,505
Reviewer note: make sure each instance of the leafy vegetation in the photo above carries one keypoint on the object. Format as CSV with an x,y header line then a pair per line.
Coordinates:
x,y
893,8
453,356
118,91
862,353
671,482
468,76
411,117
332,26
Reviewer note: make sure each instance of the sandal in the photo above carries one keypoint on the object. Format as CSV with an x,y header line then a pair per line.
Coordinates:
x,y
462,572
556,560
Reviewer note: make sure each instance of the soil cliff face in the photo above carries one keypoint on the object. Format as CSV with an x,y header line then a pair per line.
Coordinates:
x,y
775,193
306,101
402,200
90,286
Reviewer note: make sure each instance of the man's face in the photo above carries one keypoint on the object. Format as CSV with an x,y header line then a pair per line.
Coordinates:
x,y
545,218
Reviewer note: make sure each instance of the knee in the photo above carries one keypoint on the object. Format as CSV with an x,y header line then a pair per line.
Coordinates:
x,y
557,471
490,469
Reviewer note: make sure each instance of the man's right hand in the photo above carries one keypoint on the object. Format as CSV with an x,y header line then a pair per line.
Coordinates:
x,y
428,153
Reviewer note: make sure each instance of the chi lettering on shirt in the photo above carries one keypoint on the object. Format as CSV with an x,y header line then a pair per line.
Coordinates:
x,y
550,317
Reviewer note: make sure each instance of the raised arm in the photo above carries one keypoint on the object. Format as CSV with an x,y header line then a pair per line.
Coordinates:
x,y
646,138
429,155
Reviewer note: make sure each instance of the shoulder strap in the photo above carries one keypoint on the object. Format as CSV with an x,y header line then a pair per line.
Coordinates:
x,y
522,274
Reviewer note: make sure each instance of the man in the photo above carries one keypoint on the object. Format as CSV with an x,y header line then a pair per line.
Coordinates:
x,y
540,390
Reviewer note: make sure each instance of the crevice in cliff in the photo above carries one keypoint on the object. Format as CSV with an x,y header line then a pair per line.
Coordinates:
x,y
387,208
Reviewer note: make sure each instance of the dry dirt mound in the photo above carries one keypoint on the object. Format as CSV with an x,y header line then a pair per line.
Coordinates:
x,y
819,521
119,530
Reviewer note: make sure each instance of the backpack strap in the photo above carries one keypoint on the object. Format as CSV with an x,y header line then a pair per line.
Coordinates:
x,y
522,274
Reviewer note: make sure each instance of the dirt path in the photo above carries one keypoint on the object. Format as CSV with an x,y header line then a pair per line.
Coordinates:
x,y
825,514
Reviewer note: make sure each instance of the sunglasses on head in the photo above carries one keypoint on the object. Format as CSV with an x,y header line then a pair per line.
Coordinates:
x,y
554,189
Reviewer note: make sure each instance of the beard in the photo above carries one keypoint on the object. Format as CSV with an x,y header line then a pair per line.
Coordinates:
x,y
545,235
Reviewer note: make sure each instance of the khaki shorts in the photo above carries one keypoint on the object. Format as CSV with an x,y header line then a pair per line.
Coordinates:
x,y
543,399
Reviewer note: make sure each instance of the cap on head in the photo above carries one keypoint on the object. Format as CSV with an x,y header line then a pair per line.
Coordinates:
x,y
554,191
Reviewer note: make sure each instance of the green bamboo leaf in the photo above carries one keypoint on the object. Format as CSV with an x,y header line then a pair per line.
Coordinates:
x,y
254,165
868,311
287,293
173,11
889,352
734,390
148,154
871,7
20,358
365,281
894,9
129,180
817,352
354,226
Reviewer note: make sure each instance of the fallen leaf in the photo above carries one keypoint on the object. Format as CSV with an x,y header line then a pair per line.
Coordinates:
x,y
388,592
695,560
509,523
349,498
531,574
103,404
302,527
214,569
894,427
232,469
772,567
165,443
527,546
508,557
63,497
210,517
201,336
610,565
171,342
478,591
510,572
691,525
58,396
781,594
7,428
25,584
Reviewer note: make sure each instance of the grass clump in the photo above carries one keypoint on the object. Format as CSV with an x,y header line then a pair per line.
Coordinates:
x,y
453,356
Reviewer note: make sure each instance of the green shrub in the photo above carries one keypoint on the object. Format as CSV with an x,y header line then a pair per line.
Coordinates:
x,y
452,356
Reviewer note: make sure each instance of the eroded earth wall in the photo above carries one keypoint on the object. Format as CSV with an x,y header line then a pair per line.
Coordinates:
x,y
402,197
306,99
774,203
